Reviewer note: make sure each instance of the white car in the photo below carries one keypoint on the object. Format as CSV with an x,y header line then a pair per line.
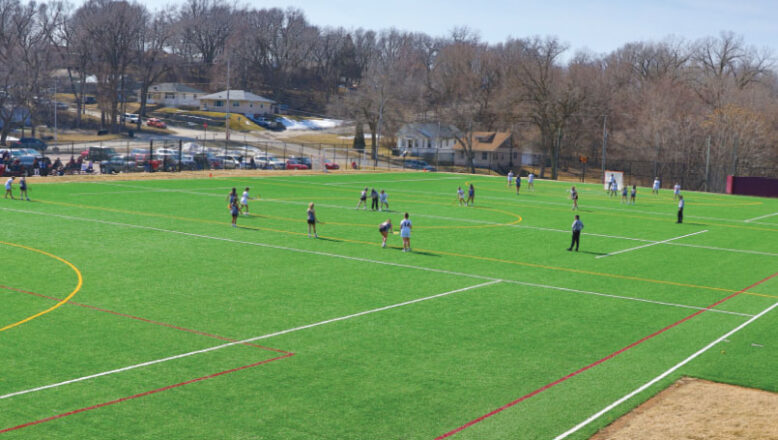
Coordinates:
x,y
132,118
269,162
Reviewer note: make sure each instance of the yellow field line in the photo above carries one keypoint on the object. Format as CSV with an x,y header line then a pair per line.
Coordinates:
x,y
57,305
453,254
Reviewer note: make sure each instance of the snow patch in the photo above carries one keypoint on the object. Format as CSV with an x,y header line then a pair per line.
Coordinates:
x,y
309,124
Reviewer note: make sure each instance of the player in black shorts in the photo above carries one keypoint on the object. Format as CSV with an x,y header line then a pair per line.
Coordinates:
x,y
385,228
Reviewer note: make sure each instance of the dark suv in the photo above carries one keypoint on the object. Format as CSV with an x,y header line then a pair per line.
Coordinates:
x,y
33,143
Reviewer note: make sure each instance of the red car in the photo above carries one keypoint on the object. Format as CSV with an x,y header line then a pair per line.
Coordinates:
x,y
330,165
154,122
293,164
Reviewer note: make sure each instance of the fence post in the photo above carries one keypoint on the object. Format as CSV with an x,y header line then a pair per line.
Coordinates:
x,y
151,155
180,152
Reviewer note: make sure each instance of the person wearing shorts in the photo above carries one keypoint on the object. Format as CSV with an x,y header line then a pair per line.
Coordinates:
x,y
311,221
531,181
471,195
232,197
655,188
9,188
510,178
234,210
244,201
461,196
385,228
23,189
384,200
518,184
362,199
632,194
624,194
405,233
574,198
676,191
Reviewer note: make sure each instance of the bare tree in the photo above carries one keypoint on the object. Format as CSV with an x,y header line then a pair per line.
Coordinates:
x,y
153,60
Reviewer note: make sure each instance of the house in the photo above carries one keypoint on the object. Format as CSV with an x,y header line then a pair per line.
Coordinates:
x,y
174,95
491,149
431,140
241,101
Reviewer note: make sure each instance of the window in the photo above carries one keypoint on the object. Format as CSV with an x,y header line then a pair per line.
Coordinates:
x,y
484,156
261,105
251,105
515,154
235,104
429,143
219,103
170,96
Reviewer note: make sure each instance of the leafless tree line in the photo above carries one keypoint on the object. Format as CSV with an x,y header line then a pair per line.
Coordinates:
x,y
706,101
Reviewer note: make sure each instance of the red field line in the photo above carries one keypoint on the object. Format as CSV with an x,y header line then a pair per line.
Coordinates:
x,y
138,318
598,362
135,396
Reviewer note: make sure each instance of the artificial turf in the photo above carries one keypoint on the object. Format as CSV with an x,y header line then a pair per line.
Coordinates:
x,y
164,274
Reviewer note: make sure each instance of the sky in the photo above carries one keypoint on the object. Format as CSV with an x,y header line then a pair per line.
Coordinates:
x,y
598,26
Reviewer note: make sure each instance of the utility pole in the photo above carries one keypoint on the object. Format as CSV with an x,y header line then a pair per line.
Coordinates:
x,y
55,111
604,144
707,164
227,118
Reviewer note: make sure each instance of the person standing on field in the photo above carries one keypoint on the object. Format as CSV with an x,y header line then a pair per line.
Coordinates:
x,y
23,189
461,196
518,183
362,199
311,221
385,229
374,200
510,178
577,228
574,198
384,201
632,194
676,191
405,233
531,182
9,188
680,209
471,195
655,188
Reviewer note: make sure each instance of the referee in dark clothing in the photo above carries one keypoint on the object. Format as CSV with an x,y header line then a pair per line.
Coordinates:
x,y
680,209
577,227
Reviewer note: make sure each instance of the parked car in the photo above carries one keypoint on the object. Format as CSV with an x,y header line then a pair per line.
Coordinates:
x,y
62,105
120,164
90,100
132,118
330,165
293,164
415,164
303,160
155,122
139,154
268,162
226,162
28,142
188,162
98,154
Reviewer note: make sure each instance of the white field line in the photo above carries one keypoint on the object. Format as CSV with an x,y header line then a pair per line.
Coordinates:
x,y
385,263
759,218
230,344
650,244
486,222
371,182
661,376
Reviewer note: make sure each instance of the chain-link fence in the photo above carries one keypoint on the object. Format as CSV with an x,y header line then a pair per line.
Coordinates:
x,y
165,155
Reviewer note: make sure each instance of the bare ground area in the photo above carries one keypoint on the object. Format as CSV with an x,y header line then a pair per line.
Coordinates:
x,y
700,410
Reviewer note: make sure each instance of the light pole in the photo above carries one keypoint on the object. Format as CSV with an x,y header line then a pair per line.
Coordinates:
x,y
604,143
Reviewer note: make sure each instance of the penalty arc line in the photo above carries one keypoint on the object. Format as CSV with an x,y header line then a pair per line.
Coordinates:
x,y
645,386
598,362
650,244
244,341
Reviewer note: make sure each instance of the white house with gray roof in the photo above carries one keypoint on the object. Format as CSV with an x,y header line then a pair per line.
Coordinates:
x,y
174,95
427,139
241,101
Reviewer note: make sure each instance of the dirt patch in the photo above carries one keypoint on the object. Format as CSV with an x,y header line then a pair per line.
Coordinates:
x,y
697,409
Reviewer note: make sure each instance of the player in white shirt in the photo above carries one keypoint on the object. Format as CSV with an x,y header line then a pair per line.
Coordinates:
x,y
655,188
613,187
384,200
362,199
510,178
461,196
405,233
531,182
8,188
676,191
244,201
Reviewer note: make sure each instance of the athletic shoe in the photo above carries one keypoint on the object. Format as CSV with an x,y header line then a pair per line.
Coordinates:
x,y
383,245
569,249
315,235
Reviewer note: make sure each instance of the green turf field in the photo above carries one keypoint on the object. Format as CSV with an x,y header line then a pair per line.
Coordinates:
x,y
131,309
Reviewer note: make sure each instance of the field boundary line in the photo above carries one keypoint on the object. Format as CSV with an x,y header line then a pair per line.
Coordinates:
x,y
600,361
653,381
245,341
367,260
146,393
760,217
649,244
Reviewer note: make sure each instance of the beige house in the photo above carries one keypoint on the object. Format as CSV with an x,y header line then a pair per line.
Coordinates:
x,y
241,101
491,149
174,95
